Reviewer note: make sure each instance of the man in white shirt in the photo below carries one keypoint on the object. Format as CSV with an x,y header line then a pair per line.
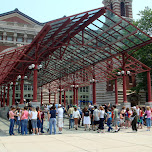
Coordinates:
x,y
60,118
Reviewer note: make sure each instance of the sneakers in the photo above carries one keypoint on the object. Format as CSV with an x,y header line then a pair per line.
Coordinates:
x,y
33,134
59,132
37,133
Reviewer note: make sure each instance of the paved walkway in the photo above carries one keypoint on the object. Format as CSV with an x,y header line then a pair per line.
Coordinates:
x,y
76,141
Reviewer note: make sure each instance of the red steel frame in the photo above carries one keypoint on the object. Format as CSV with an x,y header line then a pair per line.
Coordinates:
x,y
61,47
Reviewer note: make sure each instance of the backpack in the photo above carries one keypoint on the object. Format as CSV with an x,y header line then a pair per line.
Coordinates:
x,y
8,115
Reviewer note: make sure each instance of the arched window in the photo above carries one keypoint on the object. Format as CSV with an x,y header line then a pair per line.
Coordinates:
x,y
122,8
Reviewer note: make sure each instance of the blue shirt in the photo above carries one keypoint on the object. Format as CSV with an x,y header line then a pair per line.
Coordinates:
x,y
53,113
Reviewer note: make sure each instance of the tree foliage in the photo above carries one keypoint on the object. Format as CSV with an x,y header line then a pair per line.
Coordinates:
x,y
145,53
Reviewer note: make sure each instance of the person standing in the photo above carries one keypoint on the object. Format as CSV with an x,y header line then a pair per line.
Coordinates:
x,y
71,119
42,120
25,120
29,122
19,120
141,118
95,118
33,116
52,119
101,121
86,118
60,118
76,116
109,119
148,120
127,118
38,120
22,121
11,118
134,120
116,118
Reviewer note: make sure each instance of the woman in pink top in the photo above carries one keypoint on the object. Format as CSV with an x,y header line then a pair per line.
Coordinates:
x,y
148,120
11,118
24,119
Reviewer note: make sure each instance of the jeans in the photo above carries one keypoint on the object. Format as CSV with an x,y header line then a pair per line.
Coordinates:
x,y
22,127
25,126
148,122
141,120
11,127
19,125
53,123
109,124
41,125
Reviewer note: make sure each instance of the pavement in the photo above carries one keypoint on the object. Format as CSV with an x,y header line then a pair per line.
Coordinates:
x,y
76,140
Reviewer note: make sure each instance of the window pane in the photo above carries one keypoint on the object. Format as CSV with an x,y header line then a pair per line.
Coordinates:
x,y
29,40
9,38
25,87
87,89
19,39
17,87
29,87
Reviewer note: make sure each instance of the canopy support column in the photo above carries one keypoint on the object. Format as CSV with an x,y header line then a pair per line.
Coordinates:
x,y
60,96
22,89
49,96
94,92
4,96
74,102
8,88
116,92
13,95
64,99
77,96
54,97
41,96
35,83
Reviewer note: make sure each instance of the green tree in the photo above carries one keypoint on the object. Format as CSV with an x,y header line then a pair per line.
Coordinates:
x,y
145,53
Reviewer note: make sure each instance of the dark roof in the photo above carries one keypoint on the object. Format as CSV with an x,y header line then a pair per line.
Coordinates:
x,y
26,16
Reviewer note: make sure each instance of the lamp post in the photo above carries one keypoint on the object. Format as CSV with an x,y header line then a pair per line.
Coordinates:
x,y
21,78
75,93
35,67
93,81
60,91
124,73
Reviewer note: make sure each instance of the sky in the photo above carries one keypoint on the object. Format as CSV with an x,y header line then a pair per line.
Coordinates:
x,y
47,10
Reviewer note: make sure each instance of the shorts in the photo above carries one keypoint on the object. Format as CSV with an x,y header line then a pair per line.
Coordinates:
x,y
116,121
96,122
127,118
60,122
34,123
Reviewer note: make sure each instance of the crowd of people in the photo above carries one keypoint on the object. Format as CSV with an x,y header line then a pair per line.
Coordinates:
x,y
115,119
31,119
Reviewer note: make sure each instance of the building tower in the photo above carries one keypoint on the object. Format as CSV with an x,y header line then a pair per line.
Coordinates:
x,y
121,7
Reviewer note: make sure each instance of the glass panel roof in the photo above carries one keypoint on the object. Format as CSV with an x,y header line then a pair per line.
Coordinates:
x,y
78,42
